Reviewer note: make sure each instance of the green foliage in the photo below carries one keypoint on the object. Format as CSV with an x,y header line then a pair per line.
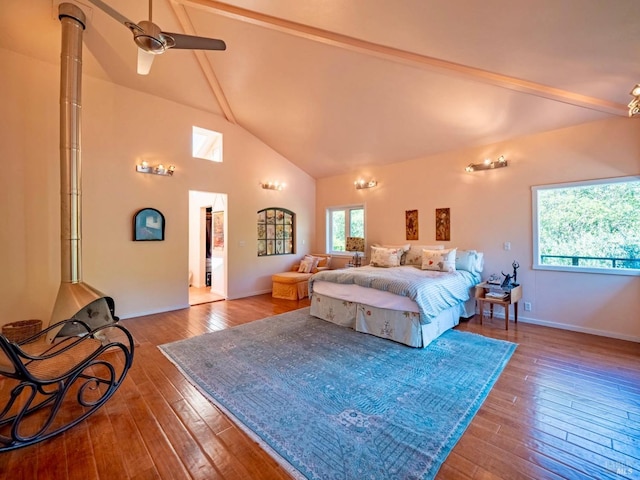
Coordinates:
x,y
600,221
339,229
357,223
338,219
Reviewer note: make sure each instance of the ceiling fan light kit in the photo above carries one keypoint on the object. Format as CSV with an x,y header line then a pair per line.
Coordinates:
x,y
151,40
148,37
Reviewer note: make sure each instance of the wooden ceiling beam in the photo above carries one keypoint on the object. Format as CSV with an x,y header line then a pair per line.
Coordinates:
x,y
205,64
406,57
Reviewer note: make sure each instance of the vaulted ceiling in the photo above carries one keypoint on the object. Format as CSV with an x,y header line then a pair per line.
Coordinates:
x,y
336,85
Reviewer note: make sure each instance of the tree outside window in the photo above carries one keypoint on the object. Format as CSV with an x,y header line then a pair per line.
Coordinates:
x,y
343,222
589,226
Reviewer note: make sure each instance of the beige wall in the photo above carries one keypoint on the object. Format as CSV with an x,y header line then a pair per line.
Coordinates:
x,y
492,207
120,128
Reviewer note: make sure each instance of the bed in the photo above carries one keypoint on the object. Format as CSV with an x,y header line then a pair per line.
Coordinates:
x,y
412,301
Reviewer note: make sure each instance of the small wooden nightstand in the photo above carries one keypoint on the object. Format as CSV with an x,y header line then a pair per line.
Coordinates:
x,y
513,295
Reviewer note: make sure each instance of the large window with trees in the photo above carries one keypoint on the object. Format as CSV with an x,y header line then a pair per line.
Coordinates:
x,y
343,222
591,226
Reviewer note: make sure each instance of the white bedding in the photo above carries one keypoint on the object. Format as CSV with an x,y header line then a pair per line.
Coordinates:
x,y
401,326
368,296
403,304
432,291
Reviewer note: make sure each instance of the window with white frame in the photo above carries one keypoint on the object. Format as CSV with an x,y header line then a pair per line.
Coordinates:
x,y
591,226
343,222
206,144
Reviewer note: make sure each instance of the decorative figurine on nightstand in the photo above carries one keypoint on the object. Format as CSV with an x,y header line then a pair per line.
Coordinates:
x,y
510,281
514,277
506,283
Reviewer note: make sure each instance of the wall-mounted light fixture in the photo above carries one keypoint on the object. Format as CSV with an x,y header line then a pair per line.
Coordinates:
x,y
159,169
488,164
364,184
273,185
634,105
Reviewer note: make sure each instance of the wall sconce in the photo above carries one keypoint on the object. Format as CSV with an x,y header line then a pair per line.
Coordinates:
x,y
159,169
488,164
634,105
273,185
360,184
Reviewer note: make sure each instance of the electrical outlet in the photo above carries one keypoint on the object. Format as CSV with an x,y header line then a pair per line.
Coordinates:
x,y
507,245
527,306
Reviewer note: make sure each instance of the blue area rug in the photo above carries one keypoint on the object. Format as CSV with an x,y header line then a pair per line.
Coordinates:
x,y
330,403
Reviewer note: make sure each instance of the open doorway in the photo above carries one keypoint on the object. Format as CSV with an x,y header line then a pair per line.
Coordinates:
x,y
207,247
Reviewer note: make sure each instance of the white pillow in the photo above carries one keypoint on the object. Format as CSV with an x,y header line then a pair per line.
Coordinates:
x,y
414,255
470,260
385,257
439,260
307,264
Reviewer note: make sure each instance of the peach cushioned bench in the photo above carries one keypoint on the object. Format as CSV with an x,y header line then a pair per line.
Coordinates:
x,y
294,285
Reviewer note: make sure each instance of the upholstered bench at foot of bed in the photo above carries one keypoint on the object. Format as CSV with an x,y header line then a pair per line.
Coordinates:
x,y
290,285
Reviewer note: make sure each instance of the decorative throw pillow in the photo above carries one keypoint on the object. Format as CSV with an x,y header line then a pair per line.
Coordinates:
x,y
414,255
324,261
316,262
306,265
385,257
403,249
439,260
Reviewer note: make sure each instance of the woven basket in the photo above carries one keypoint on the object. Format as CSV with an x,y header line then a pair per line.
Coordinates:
x,y
18,331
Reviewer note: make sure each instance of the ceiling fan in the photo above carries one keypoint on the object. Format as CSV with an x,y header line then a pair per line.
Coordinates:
x,y
152,41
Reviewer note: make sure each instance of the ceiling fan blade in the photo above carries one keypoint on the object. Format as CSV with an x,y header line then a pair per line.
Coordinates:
x,y
113,13
152,41
145,59
189,42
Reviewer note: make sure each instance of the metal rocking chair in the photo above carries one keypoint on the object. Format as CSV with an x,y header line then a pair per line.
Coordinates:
x,y
75,375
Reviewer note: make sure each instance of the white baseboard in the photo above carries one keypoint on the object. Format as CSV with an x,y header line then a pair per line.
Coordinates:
x,y
533,321
153,312
572,328
577,328
249,294
180,307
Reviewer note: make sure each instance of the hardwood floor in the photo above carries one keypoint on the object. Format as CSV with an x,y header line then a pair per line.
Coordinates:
x,y
201,295
566,406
